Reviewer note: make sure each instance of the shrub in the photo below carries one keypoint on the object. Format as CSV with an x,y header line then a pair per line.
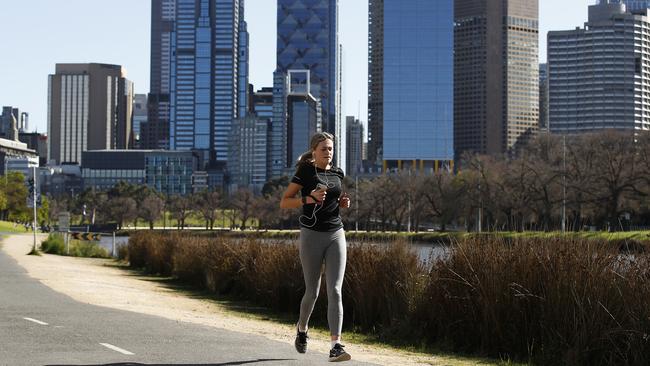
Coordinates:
x,y
548,301
381,285
554,301
87,249
54,244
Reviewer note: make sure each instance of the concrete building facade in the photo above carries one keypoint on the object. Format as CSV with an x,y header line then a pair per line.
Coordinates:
x,y
496,81
354,146
599,75
90,107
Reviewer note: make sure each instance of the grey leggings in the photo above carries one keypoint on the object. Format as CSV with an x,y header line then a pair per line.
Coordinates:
x,y
315,248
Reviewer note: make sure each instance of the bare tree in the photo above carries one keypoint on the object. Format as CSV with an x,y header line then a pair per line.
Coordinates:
x,y
122,209
442,196
614,176
242,203
181,208
208,203
152,208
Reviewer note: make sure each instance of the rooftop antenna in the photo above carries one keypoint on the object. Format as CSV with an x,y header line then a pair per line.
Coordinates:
x,y
359,110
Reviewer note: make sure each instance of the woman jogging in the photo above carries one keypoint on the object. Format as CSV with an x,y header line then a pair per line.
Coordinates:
x,y
322,239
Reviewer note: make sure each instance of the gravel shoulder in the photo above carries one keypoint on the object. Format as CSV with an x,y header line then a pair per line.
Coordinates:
x,y
101,282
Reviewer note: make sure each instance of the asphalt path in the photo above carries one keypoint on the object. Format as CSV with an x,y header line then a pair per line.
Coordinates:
x,y
39,326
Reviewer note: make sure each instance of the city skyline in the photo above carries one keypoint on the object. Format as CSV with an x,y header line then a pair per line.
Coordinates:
x,y
35,53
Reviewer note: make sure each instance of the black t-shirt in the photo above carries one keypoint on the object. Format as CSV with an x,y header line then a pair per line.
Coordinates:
x,y
327,217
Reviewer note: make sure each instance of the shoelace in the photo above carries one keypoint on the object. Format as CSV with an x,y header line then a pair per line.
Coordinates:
x,y
339,349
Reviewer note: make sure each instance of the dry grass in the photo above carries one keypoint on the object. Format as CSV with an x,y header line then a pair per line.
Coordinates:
x,y
547,301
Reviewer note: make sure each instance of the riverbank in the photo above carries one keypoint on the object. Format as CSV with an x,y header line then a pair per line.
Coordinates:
x,y
437,237
106,283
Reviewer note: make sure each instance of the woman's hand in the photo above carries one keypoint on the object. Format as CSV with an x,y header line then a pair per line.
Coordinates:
x,y
344,201
319,195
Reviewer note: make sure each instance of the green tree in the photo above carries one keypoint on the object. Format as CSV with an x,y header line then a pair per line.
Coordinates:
x,y
15,190
43,212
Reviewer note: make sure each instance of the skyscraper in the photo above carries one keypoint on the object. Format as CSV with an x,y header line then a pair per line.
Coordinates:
x,y
354,145
410,103
139,118
207,64
154,133
543,97
277,158
598,75
303,115
307,39
248,152
496,82
8,114
631,5
89,108
375,80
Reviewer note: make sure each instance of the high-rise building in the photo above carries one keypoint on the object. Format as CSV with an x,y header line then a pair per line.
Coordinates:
x,y
304,115
37,142
631,5
277,163
89,108
543,97
249,146
307,39
154,133
248,152
262,103
9,114
140,115
354,146
598,75
208,62
411,86
375,80
496,85
23,124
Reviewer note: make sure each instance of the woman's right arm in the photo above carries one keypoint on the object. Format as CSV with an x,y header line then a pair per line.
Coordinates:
x,y
289,199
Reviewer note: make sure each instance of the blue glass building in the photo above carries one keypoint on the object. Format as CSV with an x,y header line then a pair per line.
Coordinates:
x,y
414,59
308,40
630,5
209,67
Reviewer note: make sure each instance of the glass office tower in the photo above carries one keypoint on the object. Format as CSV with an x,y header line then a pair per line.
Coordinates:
x,y
154,132
209,58
411,79
308,40
631,5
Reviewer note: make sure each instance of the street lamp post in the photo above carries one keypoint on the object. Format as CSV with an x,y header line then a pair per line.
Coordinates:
x,y
35,204
356,203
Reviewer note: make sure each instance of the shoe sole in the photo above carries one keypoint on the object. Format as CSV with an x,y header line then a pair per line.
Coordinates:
x,y
341,358
300,349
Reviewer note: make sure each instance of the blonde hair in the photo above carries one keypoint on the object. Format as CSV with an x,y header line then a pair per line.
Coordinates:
x,y
308,156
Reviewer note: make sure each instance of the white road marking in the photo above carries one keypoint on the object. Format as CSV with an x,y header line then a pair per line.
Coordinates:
x,y
36,321
117,349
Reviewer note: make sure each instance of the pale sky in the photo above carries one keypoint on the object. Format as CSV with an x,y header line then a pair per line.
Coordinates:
x,y
37,34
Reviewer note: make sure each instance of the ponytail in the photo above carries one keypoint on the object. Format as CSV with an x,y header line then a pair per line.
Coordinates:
x,y
306,158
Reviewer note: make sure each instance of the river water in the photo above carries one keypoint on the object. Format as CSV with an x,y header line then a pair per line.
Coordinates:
x,y
425,251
